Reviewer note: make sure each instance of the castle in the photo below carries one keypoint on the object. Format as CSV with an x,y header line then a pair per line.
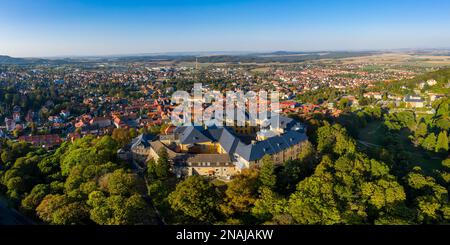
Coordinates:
x,y
222,151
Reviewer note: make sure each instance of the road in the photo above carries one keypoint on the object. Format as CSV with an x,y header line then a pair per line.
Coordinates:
x,y
9,216
365,143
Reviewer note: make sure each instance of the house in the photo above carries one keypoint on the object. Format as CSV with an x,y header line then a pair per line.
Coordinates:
x,y
80,124
118,122
434,97
10,124
101,122
395,97
45,141
414,101
16,116
375,95
431,82
55,119
421,85
140,148
64,114
288,104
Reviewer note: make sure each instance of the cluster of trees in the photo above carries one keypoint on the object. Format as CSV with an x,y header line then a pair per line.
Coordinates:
x,y
407,86
80,183
46,98
430,132
333,183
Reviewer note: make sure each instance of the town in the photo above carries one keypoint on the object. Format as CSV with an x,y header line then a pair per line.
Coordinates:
x,y
45,106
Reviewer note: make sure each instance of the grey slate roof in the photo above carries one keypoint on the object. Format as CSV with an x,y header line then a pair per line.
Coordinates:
x,y
192,135
254,152
143,139
232,145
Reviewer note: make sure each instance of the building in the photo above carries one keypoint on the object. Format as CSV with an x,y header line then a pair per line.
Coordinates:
x,y
100,122
16,116
221,152
434,97
414,101
10,124
375,95
45,141
431,82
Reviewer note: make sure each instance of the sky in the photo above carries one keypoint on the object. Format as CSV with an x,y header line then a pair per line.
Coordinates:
x,y
46,28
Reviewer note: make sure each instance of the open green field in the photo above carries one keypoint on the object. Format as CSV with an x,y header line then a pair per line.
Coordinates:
x,y
373,136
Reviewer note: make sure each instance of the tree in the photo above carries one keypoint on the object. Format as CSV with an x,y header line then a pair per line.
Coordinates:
x,y
196,198
268,205
430,142
241,193
421,130
122,183
119,210
307,154
267,175
151,169
314,203
430,199
122,136
334,139
162,169
344,104
133,133
60,210
446,163
442,142
32,200
351,190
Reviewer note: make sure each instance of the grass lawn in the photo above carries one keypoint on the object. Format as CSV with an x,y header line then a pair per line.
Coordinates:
x,y
373,134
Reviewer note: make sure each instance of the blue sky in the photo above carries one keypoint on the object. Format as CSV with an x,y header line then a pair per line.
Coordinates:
x,y
100,27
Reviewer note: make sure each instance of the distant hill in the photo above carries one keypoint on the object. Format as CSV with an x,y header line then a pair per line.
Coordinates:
x,y
278,56
7,60
10,60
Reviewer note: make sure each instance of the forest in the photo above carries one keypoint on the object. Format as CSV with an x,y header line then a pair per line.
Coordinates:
x,y
335,180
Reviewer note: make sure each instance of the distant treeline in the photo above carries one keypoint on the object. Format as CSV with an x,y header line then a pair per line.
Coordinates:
x,y
279,56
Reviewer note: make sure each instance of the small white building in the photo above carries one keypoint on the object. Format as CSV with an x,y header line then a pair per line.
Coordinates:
x,y
414,101
431,82
10,124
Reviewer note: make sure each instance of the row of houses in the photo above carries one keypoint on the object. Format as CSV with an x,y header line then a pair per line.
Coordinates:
x,y
412,101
